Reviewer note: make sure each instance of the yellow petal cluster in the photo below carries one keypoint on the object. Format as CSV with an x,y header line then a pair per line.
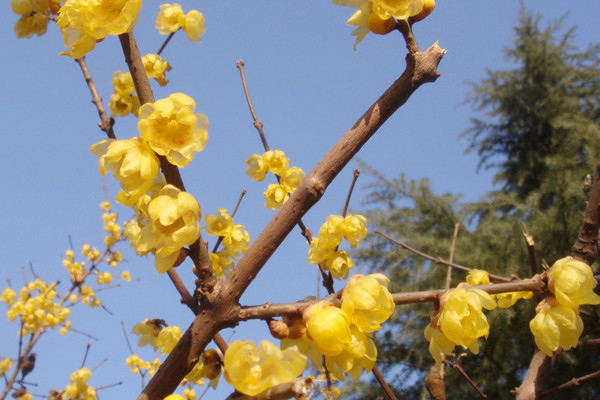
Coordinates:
x,y
323,248
34,17
235,239
172,129
555,325
379,16
83,22
328,327
156,67
275,196
368,302
460,320
572,283
477,277
133,164
173,222
252,370
170,18
358,355
5,365
78,388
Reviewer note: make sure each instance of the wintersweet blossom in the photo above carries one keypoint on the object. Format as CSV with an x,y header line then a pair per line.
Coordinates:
x,y
460,319
368,302
170,18
156,67
358,355
133,164
507,300
79,388
257,167
332,231
355,229
339,264
252,370
291,178
572,282
237,241
219,225
172,129
555,325
122,105
193,25
83,22
277,162
221,263
275,196
477,277
328,327
5,365
320,250
167,338
173,222
33,20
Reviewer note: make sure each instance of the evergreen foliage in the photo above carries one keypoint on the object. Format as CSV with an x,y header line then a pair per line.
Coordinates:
x,y
538,127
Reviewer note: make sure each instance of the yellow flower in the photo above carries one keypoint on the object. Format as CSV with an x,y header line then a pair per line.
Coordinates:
x,y
172,129
133,164
477,277
320,250
275,196
32,24
237,241
8,296
339,264
291,179
332,231
398,9
221,263
328,327
170,18
368,302
126,276
555,325
460,320
252,370
358,355
276,161
257,168
507,300
355,229
122,82
28,7
156,67
104,278
78,388
167,339
174,222
193,25
83,22
220,225
572,282
5,365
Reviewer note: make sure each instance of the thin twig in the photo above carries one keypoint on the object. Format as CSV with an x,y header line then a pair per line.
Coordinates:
x,y
162,47
438,260
220,238
354,178
257,124
462,371
87,350
126,337
106,123
384,385
571,383
533,261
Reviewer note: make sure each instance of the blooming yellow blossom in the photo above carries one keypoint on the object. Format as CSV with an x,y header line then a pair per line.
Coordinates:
x,y
135,363
8,296
104,278
170,18
252,370
193,25
555,325
368,302
219,225
5,365
167,338
507,300
276,161
34,20
339,264
358,355
172,129
126,276
572,282
320,250
275,196
156,67
148,331
328,327
237,241
291,178
332,231
477,277
133,164
460,319
355,229
438,343
83,22
173,222
221,263
257,168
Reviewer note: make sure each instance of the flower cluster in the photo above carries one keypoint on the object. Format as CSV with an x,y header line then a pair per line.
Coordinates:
x,y
343,334
171,18
83,23
5,366
459,321
34,16
37,306
557,322
379,16
167,218
276,162
124,100
235,239
78,388
324,249
252,370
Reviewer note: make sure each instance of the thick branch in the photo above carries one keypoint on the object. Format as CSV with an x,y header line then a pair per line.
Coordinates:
x,y
586,246
421,68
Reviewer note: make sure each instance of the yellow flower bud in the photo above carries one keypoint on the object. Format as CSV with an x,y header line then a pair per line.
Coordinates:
x,y
367,301
572,282
328,327
555,325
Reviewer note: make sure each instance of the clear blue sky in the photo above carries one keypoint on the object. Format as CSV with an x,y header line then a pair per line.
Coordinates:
x,y
308,86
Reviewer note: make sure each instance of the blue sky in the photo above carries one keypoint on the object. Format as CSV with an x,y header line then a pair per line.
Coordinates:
x,y
308,87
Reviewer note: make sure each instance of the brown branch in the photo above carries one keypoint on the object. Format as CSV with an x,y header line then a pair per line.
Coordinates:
x,y
533,261
162,47
586,247
438,260
571,383
224,309
106,123
467,377
536,378
257,123
384,385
